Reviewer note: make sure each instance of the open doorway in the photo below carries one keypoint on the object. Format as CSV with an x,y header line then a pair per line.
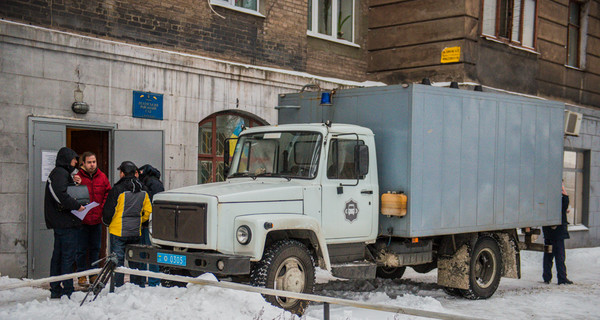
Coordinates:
x,y
96,141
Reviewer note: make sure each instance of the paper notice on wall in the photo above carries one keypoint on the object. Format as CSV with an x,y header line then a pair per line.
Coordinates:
x,y
48,163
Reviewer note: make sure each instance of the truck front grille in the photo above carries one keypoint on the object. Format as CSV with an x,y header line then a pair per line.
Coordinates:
x,y
180,222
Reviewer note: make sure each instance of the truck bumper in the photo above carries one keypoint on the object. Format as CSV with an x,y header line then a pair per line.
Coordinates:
x,y
199,261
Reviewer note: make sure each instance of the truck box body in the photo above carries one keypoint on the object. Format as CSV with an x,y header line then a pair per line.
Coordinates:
x,y
468,161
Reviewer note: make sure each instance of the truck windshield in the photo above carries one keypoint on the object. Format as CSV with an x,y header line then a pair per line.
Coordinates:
x,y
277,154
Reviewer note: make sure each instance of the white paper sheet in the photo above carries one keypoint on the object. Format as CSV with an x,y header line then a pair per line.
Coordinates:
x,y
82,214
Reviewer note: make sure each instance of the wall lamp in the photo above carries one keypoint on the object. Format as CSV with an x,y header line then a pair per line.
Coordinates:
x,y
79,106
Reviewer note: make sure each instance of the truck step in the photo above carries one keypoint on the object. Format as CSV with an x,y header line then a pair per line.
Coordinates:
x,y
354,270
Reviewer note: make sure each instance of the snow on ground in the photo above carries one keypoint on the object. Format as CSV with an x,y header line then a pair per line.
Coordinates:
x,y
525,298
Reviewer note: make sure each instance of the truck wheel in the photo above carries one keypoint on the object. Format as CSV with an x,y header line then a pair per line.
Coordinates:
x,y
286,265
173,271
485,270
425,268
453,292
390,272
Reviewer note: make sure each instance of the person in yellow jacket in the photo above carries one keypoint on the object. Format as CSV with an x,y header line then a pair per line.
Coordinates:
x,y
127,207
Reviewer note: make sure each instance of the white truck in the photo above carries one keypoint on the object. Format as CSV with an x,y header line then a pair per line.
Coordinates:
x,y
475,167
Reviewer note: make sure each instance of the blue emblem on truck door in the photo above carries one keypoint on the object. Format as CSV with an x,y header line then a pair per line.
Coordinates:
x,y
351,210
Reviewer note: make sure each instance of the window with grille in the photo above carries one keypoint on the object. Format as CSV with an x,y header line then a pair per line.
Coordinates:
x,y
212,133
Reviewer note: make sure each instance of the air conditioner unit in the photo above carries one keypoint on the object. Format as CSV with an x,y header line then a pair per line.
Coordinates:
x,y
572,122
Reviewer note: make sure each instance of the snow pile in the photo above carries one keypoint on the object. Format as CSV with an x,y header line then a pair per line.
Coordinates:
x,y
132,302
524,298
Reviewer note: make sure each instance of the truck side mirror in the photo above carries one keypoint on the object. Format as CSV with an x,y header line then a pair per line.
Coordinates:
x,y
361,160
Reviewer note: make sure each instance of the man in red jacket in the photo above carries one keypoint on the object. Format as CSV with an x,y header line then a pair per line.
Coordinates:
x,y
90,234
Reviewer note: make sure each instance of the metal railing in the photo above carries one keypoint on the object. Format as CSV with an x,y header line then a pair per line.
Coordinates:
x,y
265,291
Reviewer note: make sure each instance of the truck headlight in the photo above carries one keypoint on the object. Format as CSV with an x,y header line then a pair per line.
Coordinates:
x,y
243,234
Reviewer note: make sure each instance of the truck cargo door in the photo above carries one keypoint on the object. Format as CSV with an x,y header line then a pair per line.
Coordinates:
x,y
347,201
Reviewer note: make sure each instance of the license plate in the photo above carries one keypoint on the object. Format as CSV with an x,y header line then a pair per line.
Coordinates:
x,y
173,259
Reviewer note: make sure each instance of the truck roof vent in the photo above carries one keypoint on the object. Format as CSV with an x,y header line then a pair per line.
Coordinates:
x,y
454,85
426,81
478,88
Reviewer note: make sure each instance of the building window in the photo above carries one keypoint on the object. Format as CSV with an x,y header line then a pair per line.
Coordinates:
x,y
574,33
510,21
242,5
575,178
332,19
212,133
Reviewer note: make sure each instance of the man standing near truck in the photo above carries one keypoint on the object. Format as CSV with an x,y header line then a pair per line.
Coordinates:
x,y
555,236
127,207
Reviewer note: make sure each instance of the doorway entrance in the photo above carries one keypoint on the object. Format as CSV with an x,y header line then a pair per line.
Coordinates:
x,y
111,146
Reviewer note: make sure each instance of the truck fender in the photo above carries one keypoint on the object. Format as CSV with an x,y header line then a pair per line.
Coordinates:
x,y
283,226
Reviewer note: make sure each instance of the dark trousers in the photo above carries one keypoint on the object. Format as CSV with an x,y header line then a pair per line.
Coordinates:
x,y
153,282
117,245
63,257
558,254
88,250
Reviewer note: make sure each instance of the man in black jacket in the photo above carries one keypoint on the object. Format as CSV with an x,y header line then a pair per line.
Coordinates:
x,y
555,236
150,177
57,212
127,207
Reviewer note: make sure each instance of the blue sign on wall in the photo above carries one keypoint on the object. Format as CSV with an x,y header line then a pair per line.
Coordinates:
x,y
147,105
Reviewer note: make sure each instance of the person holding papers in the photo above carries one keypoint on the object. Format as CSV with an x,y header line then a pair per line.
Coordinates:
x,y
90,234
57,213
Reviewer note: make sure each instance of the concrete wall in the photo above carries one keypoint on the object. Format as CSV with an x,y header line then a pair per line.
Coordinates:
x,y
588,140
40,69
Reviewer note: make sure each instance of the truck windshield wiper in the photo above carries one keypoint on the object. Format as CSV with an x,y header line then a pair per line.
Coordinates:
x,y
239,174
271,174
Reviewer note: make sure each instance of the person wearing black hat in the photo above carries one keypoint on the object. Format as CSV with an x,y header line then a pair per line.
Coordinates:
x,y
150,177
127,207
57,213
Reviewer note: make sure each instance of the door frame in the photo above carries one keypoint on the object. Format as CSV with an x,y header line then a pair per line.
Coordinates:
x,y
31,122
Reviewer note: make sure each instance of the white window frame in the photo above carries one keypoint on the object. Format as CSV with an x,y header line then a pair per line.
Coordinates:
x,y
230,4
313,31
577,214
515,41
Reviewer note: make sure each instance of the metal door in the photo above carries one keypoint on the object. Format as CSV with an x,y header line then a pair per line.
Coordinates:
x,y
47,139
347,202
140,146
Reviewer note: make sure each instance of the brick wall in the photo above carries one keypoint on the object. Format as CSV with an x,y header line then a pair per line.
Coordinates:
x,y
278,39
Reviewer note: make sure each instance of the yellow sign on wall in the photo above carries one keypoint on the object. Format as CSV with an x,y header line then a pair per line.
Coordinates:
x,y
451,54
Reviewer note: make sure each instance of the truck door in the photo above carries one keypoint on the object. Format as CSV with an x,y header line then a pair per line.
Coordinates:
x,y
347,199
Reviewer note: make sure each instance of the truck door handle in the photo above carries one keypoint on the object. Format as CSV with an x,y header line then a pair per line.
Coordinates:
x,y
366,191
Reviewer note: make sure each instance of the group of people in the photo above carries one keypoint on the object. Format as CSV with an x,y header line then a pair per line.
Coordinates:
x,y
125,208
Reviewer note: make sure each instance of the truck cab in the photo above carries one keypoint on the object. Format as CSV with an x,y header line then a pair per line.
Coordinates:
x,y
291,190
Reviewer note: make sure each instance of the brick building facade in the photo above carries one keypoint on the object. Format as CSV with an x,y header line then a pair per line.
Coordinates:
x,y
274,35
521,47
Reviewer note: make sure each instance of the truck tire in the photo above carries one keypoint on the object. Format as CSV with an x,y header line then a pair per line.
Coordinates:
x,y
485,269
425,268
390,272
174,271
286,265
